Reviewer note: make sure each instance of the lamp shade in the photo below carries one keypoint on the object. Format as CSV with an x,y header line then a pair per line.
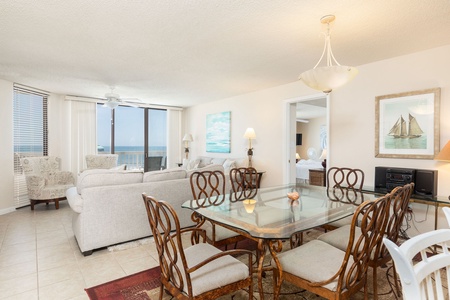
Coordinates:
x,y
297,156
444,155
187,137
250,134
324,154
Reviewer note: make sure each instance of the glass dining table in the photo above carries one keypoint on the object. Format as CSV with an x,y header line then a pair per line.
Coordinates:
x,y
271,217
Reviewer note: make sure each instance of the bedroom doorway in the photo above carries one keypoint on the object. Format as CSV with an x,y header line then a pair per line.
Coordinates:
x,y
308,116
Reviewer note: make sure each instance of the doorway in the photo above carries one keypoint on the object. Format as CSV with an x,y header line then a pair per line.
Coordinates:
x,y
311,115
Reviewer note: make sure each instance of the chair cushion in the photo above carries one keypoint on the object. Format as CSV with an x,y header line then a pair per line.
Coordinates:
x,y
337,238
50,192
216,274
314,261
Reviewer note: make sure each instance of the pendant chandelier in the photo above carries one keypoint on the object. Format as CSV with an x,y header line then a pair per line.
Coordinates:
x,y
331,76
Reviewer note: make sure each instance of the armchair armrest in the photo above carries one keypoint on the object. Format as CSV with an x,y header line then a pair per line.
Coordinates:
x,y
35,182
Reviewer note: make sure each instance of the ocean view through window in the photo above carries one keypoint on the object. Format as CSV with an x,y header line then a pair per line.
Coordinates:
x,y
137,135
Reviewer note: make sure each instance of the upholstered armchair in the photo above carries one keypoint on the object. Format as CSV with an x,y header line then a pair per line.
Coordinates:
x,y
45,181
102,161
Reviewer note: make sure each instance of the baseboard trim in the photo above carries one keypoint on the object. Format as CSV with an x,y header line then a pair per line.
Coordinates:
x,y
7,210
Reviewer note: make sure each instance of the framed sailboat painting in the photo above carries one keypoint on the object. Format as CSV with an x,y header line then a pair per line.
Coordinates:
x,y
407,124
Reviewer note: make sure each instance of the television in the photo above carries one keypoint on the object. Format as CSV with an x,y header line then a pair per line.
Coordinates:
x,y
299,139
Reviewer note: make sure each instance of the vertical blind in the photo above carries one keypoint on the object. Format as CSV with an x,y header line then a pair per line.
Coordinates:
x,y
30,134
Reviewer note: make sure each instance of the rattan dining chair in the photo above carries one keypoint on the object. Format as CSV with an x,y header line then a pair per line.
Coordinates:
x,y
243,183
423,275
329,271
398,208
345,178
198,271
208,189
344,185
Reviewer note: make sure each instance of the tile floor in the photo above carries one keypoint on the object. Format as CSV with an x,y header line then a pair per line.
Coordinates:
x,y
40,259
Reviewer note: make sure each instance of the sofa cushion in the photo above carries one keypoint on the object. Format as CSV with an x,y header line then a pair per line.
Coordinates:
x,y
207,168
218,161
102,177
169,174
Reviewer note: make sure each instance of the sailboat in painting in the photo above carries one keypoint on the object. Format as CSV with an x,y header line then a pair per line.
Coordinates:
x,y
399,129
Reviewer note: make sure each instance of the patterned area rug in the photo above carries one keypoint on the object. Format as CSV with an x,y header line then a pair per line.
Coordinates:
x,y
145,285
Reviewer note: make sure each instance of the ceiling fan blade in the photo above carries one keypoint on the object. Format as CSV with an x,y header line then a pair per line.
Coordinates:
x,y
130,104
135,100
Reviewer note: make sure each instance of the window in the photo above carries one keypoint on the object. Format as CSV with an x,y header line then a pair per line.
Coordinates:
x,y
137,135
30,135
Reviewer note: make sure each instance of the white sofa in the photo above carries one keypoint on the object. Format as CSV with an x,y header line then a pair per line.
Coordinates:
x,y
108,208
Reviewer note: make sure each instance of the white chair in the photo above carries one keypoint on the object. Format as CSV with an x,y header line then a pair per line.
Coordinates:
x,y
446,211
422,273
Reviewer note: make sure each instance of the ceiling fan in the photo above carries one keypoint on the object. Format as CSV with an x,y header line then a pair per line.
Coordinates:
x,y
113,100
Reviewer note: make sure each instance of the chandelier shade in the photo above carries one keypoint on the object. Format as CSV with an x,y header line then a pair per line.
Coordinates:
x,y
329,77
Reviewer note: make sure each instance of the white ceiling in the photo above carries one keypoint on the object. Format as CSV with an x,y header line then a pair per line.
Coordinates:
x,y
183,53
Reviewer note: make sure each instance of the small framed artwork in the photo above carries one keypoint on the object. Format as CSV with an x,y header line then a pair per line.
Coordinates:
x,y
407,124
218,132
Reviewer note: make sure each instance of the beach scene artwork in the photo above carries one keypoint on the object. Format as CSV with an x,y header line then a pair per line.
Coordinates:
x,y
218,132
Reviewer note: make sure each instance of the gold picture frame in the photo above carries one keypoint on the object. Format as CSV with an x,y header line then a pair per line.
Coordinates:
x,y
407,124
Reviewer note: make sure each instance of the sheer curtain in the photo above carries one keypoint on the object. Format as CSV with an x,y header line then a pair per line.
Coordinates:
x,y
83,129
174,146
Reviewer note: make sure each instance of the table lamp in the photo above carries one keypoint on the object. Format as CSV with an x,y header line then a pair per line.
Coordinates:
x,y
250,135
444,155
297,157
186,139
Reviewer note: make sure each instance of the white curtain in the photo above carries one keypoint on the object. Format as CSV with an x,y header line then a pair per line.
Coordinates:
x,y
83,133
174,147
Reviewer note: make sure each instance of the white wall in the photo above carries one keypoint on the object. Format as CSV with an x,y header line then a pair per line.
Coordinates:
x,y
353,111
352,120
352,116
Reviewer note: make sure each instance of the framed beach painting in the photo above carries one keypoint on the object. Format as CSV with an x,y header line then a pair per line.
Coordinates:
x,y
218,132
407,124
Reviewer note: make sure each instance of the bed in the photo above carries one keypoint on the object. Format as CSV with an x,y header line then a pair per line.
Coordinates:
x,y
303,167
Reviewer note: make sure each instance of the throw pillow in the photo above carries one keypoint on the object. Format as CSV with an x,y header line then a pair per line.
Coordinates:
x,y
204,161
228,165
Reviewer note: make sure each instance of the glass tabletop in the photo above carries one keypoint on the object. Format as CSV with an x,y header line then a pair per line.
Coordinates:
x,y
272,215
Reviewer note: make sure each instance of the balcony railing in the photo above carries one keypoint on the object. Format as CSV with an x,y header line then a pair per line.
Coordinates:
x,y
135,160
